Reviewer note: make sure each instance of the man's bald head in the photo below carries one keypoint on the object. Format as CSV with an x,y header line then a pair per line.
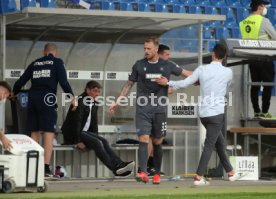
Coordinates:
x,y
50,48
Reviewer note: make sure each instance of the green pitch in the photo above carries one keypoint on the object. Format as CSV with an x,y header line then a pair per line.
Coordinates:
x,y
209,192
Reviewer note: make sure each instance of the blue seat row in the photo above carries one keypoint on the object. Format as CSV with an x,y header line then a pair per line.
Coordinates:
x,y
7,6
273,3
181,45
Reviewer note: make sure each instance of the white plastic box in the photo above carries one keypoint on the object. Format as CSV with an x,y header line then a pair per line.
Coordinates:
x,y
23,165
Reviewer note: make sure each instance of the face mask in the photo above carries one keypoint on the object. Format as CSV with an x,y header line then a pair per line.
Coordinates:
x,y
264,11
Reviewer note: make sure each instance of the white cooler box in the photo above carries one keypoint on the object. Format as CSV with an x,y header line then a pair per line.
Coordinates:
x,y
22,167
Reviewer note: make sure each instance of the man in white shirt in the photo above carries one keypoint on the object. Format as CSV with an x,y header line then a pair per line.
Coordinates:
x,y
214,80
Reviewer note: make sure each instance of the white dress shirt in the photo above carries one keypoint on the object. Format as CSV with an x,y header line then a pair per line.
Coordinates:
x,y
88,121
214,81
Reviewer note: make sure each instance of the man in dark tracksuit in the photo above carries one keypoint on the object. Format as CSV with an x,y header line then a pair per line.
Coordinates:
x,y
45,73
81,128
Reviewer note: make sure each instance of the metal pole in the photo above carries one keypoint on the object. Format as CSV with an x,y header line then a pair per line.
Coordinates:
x,y
3,46
202,130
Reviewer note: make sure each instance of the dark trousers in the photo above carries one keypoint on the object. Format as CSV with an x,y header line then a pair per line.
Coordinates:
x,y
102,149
214,139
261,71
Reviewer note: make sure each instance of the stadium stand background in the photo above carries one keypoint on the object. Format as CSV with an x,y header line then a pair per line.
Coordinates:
x,y
235,11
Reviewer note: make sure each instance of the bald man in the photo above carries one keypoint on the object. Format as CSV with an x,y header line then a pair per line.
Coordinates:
x,y
44,73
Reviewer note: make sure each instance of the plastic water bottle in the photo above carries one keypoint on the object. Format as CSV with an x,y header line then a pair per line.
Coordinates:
x,y
175,178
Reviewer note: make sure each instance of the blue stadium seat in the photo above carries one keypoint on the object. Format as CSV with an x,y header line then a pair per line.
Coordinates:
x,y
171,35
195,10
160,8
192,45
234,3
242,13
27,3
179,8
47,3
273,3
208,33
222,32
145,1
179,45
230,16
186,45
102,5
143,7
187,2
7,6
235,32
246,3
209,45
189,32
218,2
129,6
211,10
203,2
161,1
272,15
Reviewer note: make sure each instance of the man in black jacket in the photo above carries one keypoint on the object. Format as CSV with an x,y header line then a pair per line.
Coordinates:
x,y
44,73
81,128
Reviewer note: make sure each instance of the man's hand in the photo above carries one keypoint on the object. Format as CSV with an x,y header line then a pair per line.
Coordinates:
x,y
80,146
170,90
162,81
5,142
113,107
74,103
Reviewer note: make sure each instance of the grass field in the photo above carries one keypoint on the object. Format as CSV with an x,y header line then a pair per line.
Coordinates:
x,y
219,189
164,196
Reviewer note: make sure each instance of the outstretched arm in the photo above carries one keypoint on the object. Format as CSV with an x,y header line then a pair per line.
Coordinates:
x,y
186,73
124,92
182,83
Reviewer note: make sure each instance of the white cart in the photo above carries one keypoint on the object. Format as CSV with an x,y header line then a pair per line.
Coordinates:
x,y
22,168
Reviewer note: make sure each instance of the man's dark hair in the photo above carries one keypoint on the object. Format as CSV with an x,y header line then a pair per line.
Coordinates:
x,y
92,84
256,3
162,48
153,39
220,51
5,85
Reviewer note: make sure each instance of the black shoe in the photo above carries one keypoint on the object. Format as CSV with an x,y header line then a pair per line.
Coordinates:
x,y
151,172
125,174
49,176
125,166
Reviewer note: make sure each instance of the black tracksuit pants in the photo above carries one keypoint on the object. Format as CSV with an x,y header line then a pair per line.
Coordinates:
x,y
261,71
102,149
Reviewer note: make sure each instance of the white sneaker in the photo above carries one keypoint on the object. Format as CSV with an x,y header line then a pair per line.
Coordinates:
x,y
236,176
201,182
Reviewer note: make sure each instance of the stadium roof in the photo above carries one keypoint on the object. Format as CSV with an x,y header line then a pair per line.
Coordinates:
x,y
82,25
